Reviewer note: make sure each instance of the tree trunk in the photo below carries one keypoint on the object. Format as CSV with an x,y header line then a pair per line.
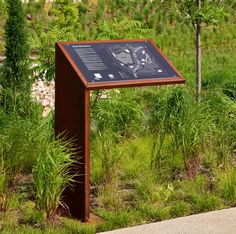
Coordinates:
x,y
198,58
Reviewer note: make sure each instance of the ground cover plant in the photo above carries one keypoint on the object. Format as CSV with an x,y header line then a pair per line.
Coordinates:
x,y
156,153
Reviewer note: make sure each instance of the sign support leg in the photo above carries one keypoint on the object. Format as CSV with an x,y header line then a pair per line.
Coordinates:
x,y
72,116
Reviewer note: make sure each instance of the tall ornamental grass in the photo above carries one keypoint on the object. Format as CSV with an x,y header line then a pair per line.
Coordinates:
x,y
20,140
175,117
223,111
192,133
51,176
27,144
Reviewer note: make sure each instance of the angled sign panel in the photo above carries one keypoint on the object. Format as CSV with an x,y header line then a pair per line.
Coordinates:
x,y
107,64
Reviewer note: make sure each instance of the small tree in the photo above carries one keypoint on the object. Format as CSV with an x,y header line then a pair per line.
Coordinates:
x,y
16,83
199,13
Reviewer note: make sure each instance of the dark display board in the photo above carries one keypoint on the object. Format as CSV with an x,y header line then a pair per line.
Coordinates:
x,y
120,61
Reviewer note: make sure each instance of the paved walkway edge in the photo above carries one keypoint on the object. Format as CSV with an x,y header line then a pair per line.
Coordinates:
x,y
215,222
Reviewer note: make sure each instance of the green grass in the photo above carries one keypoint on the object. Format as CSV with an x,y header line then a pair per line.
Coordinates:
x,y
227,185
51,176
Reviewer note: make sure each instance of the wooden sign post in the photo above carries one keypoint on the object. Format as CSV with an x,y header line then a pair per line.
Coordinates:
x,y
91,65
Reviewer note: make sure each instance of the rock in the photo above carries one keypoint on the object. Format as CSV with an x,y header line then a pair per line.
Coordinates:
x,y
44,93
45,102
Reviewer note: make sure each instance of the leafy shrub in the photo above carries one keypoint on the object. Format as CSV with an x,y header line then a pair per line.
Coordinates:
x,y
37,15
124,29
164,194
119,112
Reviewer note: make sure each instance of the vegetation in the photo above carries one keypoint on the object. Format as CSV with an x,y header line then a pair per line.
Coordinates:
x,y
15,82
155,152
198,13
50,176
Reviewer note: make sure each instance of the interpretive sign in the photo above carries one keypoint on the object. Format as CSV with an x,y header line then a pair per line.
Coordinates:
x,y
119,61
88,65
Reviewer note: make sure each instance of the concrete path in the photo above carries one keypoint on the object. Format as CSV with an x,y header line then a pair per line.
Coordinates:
x,y
216,222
